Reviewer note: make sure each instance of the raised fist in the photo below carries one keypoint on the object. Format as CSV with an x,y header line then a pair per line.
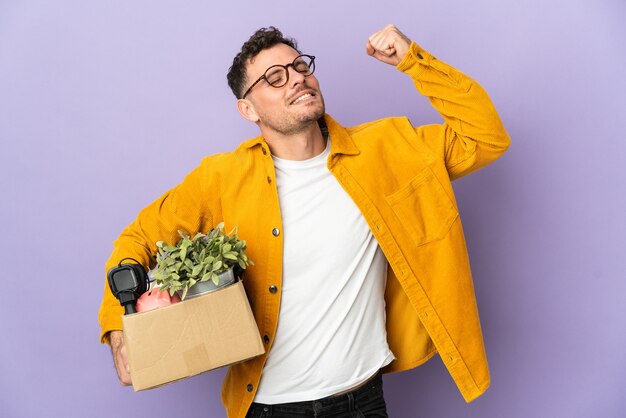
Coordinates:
x,y
388,45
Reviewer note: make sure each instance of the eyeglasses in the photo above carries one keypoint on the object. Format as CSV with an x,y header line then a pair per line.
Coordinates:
x,y
278,75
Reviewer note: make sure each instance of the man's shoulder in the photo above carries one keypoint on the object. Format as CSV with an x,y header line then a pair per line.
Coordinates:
x,y
228,158
399,123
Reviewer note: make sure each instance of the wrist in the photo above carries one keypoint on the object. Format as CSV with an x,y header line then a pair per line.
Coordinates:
x,y
114,337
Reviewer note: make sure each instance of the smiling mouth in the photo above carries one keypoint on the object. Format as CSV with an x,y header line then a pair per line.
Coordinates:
x,y
303,97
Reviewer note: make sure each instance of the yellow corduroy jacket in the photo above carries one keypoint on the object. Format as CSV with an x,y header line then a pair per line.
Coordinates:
x,y
400,178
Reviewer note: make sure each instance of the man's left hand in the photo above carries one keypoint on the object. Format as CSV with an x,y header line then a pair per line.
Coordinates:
x,y
388,45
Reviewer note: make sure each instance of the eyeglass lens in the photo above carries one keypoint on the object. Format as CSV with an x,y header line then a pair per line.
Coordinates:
x,y
277,75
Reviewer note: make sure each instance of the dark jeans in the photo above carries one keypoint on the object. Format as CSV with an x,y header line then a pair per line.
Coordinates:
x,y
366,401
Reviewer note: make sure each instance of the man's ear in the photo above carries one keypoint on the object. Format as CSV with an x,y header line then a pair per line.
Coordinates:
x,y
246,109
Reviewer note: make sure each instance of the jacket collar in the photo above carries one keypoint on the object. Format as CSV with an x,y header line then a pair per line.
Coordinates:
x,y
341,142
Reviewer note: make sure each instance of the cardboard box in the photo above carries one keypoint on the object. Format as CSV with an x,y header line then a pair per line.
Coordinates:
x,y
191,337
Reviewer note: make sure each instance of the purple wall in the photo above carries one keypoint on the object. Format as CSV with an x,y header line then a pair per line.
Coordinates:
x,y
105,105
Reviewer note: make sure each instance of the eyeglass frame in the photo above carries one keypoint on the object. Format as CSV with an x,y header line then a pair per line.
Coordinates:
x,y
311,66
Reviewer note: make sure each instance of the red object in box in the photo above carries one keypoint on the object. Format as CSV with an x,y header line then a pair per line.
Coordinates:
x,y
155,298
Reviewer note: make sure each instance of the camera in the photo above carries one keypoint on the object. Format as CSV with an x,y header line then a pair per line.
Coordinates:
x,y
127,283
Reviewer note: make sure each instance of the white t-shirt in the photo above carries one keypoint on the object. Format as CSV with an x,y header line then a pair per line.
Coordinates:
x,y
331,332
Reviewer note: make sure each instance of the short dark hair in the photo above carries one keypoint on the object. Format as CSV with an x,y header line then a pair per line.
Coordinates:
x,y
263,38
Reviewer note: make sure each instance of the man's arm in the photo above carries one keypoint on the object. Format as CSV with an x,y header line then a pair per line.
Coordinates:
x,y
181,208
472,135
120,359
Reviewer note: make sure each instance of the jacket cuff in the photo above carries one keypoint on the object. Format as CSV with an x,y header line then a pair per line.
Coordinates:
x,y
110,323
415,60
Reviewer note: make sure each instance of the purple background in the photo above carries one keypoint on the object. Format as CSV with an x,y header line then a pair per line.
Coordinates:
x,y
105,105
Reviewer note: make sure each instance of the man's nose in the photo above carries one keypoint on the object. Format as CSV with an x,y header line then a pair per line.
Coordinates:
x,y
295,77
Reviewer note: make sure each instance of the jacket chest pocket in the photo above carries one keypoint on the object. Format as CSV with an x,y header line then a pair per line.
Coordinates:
x,y
424,208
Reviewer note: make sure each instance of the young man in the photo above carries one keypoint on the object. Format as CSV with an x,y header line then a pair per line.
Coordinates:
x,y
360,260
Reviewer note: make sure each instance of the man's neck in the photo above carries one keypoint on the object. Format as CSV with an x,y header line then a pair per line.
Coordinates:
x,y
303,145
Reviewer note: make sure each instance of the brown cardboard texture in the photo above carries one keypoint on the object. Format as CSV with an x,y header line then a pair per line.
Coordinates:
x,y
191,337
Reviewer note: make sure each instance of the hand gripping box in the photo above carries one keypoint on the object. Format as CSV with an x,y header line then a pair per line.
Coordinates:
x,y
191,337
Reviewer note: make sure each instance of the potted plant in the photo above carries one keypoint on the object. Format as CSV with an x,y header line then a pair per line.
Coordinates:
x,y
201,264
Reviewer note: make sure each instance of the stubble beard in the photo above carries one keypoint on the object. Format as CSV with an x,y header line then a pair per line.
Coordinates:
x,y
290,124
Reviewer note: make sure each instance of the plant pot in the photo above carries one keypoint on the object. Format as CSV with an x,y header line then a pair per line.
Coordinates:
x,y
226,278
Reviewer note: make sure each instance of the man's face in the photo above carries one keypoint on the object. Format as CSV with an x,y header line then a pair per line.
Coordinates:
x,y
288,109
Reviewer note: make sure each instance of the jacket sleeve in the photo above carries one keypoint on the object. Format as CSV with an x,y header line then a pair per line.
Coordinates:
x,y
472,134
181,208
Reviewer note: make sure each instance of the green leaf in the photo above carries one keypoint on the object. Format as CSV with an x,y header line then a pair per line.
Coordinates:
x,y
196,270
183,253
184,292
217,265
226,248
169,248
206,277
215,278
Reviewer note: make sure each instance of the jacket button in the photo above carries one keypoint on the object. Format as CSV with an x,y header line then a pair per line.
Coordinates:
x,y
266,339
276,232
269,179
273,289
264,152
249,387
418,56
